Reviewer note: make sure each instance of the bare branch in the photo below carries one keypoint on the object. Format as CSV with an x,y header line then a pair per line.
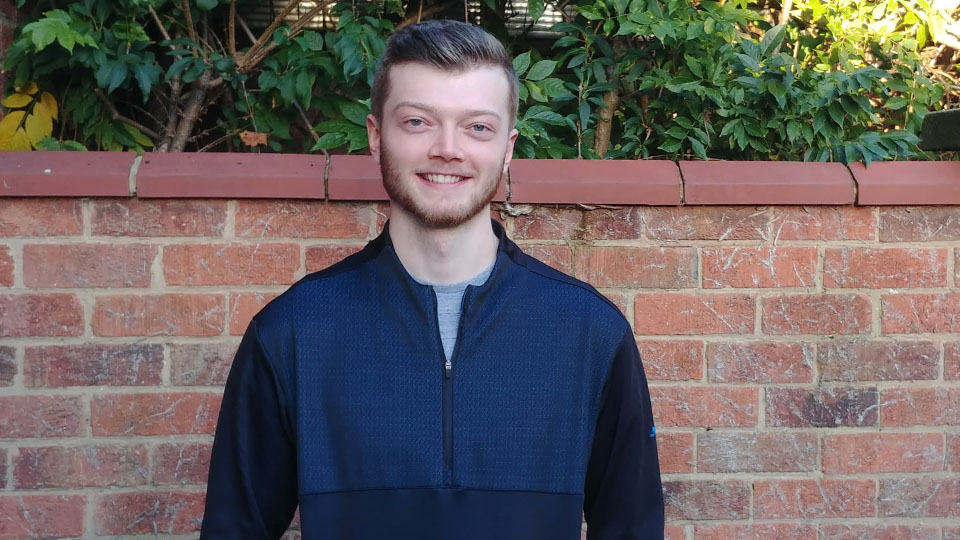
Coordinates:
x,y
114,114
232,30
156,19
246,29
191,32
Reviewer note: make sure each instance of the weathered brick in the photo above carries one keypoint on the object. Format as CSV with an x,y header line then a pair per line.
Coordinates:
x,y
837,531
675,451
756,267
243,306
181,463
158,217
824,223
920,313
81,466
705,406
919,497
555,256
950,533
42,516
672,360
3,468
879,268
23,315
8,365
951,360
548,223
706,499
87,265
159,315
821,407
302,219
919,224
320,257
199,364
154,512
686,314
816,314
720,452
953,452
6,267
40,217
812,499
861,360
757,531
760,362
864,453
621,223
230,264
92,364
705,223
40,416
920,406
154,414
670,532
654,268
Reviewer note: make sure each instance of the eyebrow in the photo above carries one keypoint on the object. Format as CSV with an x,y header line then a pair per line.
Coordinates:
x,y
433,110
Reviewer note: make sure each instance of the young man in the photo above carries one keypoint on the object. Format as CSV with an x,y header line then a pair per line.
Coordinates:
x,y
440,384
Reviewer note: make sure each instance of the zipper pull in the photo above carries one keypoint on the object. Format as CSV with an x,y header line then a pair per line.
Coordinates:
x,y
447,368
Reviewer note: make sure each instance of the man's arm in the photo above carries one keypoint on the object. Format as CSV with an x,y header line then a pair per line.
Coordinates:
x,y
252,488
623,499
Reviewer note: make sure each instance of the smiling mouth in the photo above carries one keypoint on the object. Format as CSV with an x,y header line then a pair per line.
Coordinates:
x,y
442,178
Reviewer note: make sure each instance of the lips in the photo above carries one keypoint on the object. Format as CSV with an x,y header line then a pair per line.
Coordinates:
x,y
437,178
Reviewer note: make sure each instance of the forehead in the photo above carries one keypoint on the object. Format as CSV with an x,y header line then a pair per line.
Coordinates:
x,y
481,87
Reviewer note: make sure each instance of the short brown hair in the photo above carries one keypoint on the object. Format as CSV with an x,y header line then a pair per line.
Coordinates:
x,y
446,45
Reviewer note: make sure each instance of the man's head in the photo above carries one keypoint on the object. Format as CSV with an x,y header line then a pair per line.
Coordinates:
x,y
443,109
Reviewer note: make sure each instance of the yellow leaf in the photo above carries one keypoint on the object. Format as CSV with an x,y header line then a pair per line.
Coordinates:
x,y
15,101
138,136
10,123
30,88
17,141
48,104
38,126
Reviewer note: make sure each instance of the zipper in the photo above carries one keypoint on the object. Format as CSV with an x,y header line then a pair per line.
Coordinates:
x,y
448,388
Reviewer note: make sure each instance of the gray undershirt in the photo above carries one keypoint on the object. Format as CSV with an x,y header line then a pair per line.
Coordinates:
x,y
449,298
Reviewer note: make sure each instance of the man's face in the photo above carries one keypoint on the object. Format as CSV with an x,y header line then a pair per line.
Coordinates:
x,y
444,141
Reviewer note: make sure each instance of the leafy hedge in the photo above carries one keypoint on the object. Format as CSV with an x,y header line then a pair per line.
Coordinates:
x,y
840,80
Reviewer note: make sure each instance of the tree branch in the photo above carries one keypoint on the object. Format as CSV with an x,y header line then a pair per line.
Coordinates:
x,y
232,30
114,114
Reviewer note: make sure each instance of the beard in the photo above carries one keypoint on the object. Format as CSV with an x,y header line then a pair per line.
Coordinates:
x,y
438,218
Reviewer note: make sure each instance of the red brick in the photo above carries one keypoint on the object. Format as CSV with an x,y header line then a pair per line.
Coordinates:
x,y
670,532
243,306
23,315
920,407
821,407
756,452
231,264
78,467
879,268
676,452
6,267
154,414
861,360
548,223
87,265
672,360
40,217
705,406
686,314
758,531
919,224
199,364
92,365
706,223
302,219
655,268
181,463
863,453
621,223
42,516
555,256
949,533
920,313
154,512
706,499
953,452
816,314
836,531
759,362
919,497
159,315
812,499
8,365
3,468
824,223
755,267
159,217
320,257
40,416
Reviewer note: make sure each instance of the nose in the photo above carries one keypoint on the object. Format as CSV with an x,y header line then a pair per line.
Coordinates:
x,y
447,144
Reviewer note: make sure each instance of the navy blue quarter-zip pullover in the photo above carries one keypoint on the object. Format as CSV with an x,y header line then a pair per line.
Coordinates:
x,y
339,401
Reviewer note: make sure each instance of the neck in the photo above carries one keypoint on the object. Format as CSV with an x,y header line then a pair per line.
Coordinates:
x,y
443,255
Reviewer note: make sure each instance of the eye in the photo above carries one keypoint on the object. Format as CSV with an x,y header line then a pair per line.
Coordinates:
x,y
415,122
479,128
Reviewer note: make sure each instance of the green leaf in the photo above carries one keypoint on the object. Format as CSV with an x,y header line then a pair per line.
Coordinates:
x,y
313,40
590,12
521,62
329,140
698,147
621,6
772,39
709,25
896,103
535,91
178,66
118,73
793,130
836,113
749,62
694,65
541,70
267,80
146,75
549,117
305,80
355,113
819,121
584,111
206,5
535,8
670,146
554,88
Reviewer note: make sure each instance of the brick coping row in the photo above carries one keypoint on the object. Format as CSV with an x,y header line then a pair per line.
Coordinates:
x,y
546,181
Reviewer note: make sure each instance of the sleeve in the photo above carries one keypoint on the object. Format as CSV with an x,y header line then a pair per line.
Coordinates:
x,y
252,486
623,498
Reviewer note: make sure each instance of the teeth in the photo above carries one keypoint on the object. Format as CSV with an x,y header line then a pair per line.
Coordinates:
x,y
443,178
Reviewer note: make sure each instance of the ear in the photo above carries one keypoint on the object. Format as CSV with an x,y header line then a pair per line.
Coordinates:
x,y
508,155
373,137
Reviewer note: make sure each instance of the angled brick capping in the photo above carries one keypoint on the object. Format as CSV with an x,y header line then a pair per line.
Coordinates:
x,y
799,324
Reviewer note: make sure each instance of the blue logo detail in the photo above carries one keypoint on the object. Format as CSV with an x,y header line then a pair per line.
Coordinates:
x,y
653,432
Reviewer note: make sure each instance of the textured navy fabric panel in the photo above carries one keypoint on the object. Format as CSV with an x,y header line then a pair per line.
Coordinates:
x,y
441,514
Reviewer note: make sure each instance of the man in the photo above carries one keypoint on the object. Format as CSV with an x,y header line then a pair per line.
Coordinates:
x,y
440,384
